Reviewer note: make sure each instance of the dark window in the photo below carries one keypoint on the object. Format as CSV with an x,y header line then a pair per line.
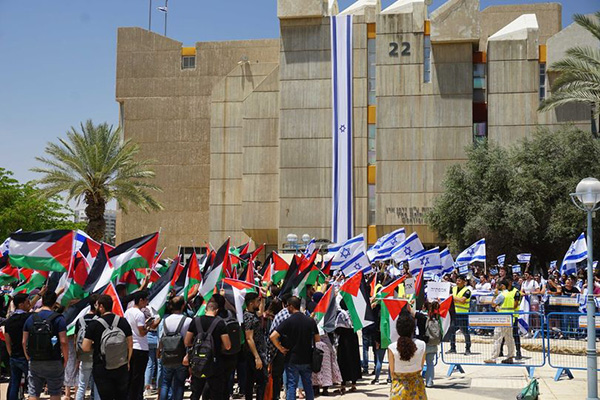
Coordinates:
x,y
188,62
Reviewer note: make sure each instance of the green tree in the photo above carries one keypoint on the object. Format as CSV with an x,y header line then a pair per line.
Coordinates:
x,y
96,166
518,198
579,72
22,207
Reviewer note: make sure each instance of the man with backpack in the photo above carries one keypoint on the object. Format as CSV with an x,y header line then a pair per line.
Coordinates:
x,y
206,338
171,350
256,346
46,347
234,331
14,343
86,359
110,338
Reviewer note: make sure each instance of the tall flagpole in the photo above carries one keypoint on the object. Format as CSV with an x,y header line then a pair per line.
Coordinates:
x,y
150,16
166,14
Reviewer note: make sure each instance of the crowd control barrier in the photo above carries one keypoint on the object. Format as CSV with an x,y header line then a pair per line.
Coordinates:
x,y
481,328
567,341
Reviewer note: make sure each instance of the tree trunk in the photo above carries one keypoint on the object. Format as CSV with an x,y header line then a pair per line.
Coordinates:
x,y
94,211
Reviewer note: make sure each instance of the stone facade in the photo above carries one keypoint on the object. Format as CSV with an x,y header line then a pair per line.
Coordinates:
x,y
242,139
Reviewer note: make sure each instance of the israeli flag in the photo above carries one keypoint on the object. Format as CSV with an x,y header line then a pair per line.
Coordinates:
x,y
4,247
475,252
429,261
394,271
310,248
501,258
524,258
446,261
577,252
463,269
523,321
553,264
410,247
382,249
358,263
516,269
344,254
342,129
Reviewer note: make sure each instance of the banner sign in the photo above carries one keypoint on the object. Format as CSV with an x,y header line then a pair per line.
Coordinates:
x,y
583,321
409,286
437,290
485,300
564,301
490,321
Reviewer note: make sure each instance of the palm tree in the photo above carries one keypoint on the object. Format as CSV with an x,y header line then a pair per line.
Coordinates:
x,y
579,73
96,166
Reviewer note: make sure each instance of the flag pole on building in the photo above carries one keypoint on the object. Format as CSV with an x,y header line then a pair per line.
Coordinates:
x,y
150,16
165,10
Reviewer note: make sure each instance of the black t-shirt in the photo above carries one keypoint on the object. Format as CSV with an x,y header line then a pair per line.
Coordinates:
x,y
573,290
298,332
94,332
87,318
14,327
219,330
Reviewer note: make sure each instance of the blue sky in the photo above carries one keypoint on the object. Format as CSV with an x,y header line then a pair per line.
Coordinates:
x,y
57,58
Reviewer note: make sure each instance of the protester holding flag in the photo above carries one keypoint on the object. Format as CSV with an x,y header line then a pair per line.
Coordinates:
x,y
13,333
112,384
407,356
462,300
348,354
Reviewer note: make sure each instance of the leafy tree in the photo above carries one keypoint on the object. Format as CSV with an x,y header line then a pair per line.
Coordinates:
x,y
579,72
96,166
22,207
518,198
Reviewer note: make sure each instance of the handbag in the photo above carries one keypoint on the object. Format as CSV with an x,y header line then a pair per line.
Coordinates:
x,y
317,358
530,392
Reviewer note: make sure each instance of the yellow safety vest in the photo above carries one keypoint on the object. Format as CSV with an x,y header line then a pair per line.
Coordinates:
x,y
509,302
464,307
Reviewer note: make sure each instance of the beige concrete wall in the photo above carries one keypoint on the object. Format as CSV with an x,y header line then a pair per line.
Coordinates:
x,y
305,127
422,128
494,18
166,110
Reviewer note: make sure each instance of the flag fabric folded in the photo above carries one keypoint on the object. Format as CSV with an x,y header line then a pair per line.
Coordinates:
x,y
410,247
344,254
36,280
310,247
279,268
133,254
447,261
44,250
8,273
390,311
235,293
117,308
193,277
523,320
87,246
214,275
475,252
501,258
577,252
100,272
76,280
159,291
326,311
447,314
382,249
390,289
355,293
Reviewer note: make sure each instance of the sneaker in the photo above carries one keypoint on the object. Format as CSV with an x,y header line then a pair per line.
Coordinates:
x,y
429,385
468,352
508,360
375,382
451,351
388,381
489,361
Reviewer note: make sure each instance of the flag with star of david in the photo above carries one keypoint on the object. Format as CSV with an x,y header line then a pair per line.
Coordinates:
x,y
577,252
382,249
359,262
428,261
447,261
344,254
410,247
475,252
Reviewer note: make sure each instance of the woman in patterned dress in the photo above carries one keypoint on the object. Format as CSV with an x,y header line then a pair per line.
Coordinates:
x,y
406,357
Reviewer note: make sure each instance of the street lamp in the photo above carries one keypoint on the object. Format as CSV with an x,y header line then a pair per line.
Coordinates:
x,y
292,240
586,198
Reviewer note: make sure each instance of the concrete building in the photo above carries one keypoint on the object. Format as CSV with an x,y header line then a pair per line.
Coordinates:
x,y
110,216
241,130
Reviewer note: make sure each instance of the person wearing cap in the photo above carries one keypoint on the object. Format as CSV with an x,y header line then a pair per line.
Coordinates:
x,y
462,302
504,302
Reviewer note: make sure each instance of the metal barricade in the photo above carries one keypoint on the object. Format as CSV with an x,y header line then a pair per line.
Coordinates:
x,y
567,341
489,332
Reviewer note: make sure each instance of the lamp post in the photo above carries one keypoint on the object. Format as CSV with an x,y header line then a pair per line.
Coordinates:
x,y
292,240
586,198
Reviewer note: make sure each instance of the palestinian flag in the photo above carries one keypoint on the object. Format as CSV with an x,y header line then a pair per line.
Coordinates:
x,y
8,273
355,293
87,246
35,281
193,276
158,257
42,251
327,268
235,293
307,262
248,274
419,290
241,250
76,280
214,275
159,292
447,314
134,254
178,280
289,283
371,282
100,273
390,310
279,269
130,280
117,307
390,289
307,277
326,311
74,312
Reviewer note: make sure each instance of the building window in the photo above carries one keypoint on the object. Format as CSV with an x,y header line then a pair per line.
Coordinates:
x,y
427,60
188,62
371,72
372,205
542,81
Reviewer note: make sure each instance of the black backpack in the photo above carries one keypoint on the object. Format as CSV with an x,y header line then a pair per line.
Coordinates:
x,y
234,330
202,356
39,345
171,344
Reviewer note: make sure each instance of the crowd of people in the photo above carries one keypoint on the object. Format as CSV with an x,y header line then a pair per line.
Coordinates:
x,y
271,354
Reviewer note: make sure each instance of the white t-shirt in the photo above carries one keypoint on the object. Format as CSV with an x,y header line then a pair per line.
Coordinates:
x,y
530,286
412,365
172,322
136,318
484,286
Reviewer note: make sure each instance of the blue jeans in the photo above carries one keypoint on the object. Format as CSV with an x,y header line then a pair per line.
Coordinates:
x,y
85,373
430,353
19,367
367,342
379,356
173,379
304,371
152,366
